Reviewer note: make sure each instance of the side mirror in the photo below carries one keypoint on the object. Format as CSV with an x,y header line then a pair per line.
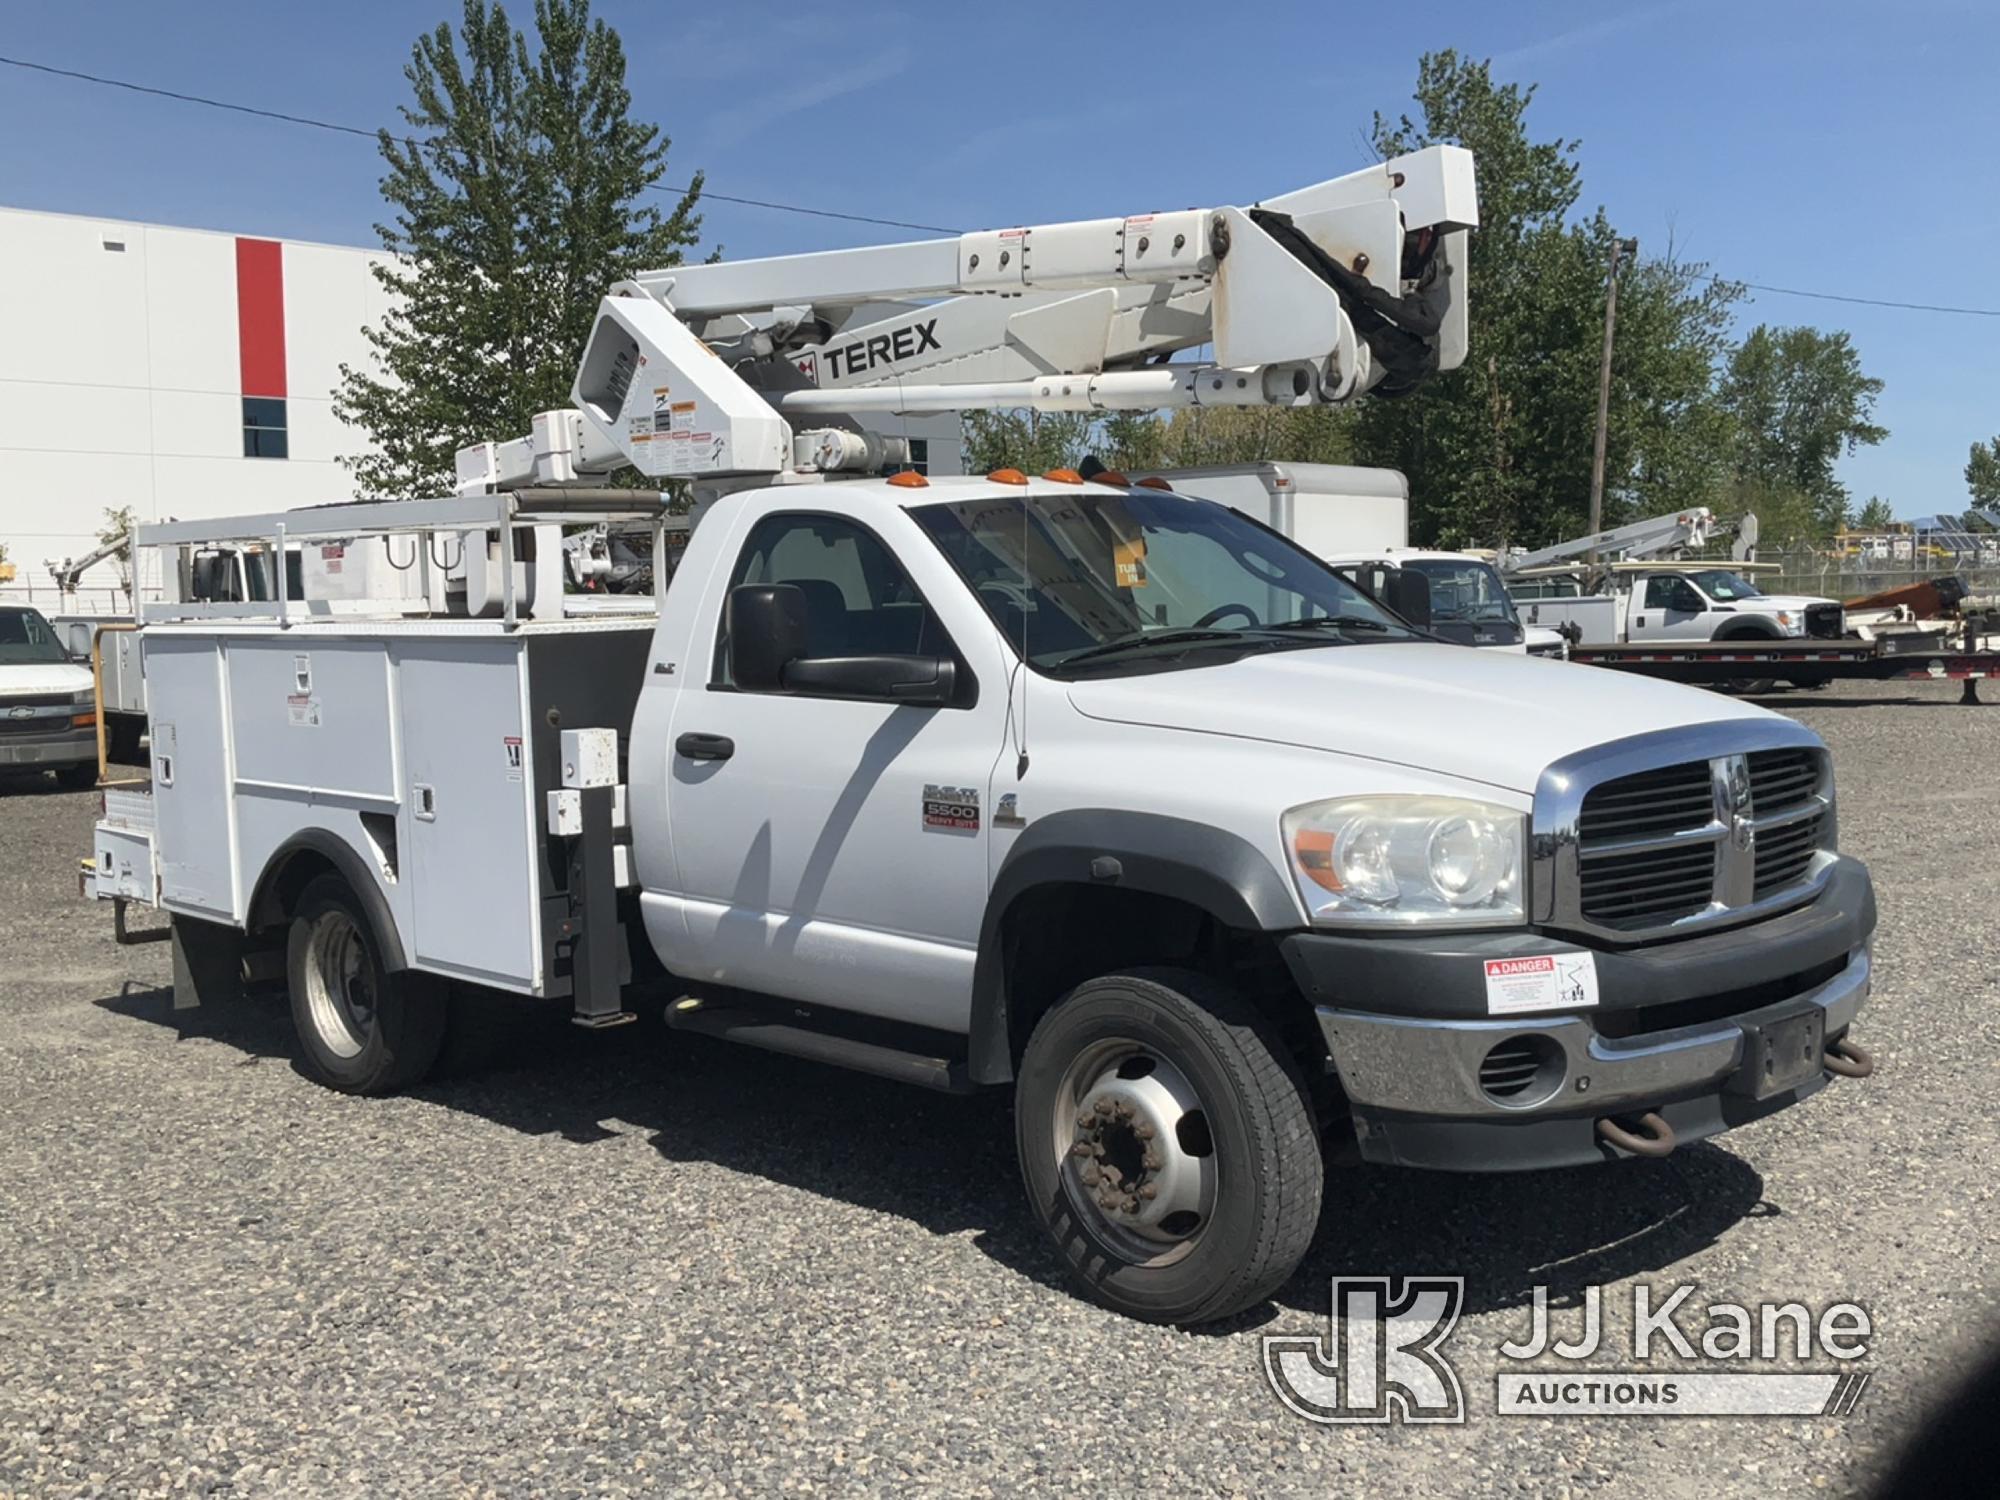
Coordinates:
x,y
1408,593
921,681
767,632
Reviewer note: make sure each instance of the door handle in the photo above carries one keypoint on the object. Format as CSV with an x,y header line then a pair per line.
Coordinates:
x,y
705,746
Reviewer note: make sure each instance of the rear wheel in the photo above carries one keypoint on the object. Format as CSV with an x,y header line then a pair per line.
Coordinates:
x,y
1168,1145
362,1029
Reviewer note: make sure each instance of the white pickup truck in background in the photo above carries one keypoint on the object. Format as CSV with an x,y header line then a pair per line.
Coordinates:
x,y
48,704
1678,601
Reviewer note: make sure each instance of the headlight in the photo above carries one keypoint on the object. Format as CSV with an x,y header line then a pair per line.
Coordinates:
x,y
1403,861
86,696
1785,618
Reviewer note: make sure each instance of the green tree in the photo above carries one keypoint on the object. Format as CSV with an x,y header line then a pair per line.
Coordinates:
x,y
1877,515
520,197
1500,450
1032,441
1799,402
1982,472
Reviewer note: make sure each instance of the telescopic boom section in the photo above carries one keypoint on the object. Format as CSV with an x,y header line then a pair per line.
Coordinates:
x,y
1314,297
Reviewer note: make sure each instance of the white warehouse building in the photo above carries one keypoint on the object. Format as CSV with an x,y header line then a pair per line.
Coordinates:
x,y
182,373
178,372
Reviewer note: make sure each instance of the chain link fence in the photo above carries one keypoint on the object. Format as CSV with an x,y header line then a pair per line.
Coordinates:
x,y
1853,569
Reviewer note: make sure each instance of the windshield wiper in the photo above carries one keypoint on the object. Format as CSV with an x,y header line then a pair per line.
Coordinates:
x,y
1138,638
1333,622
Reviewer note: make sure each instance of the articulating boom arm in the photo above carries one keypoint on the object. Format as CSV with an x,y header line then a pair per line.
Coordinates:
x,y
1316,296
1641,540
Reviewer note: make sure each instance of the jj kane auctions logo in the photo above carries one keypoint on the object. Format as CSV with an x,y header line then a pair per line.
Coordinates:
x,y
1383,1357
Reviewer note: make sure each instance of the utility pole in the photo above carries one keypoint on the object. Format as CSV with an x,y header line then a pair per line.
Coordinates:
x,y
1618,247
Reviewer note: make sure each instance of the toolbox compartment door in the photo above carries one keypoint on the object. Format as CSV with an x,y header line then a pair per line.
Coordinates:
x,y
475,888
193,776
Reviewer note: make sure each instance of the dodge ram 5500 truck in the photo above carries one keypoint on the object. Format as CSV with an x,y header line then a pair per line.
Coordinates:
x,y
1098,793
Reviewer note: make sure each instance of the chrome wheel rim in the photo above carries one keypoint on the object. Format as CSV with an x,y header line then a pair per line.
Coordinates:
x,y
1135,1152
340,984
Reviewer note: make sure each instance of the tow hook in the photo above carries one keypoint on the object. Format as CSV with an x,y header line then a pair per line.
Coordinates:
x,y
1658,1141
1846,1060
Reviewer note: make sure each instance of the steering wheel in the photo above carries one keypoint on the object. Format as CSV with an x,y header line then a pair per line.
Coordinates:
x,y
1223,611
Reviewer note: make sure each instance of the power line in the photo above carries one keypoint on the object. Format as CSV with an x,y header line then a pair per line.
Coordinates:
x,y
828,213
1792,291
340,129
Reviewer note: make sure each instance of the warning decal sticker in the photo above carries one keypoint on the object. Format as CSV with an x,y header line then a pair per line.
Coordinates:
x,y
512,744
951,809
302,711
1550,981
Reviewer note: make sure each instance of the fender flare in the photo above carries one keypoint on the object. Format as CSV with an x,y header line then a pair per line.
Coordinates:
x,y
352,869
1208,868
1745,630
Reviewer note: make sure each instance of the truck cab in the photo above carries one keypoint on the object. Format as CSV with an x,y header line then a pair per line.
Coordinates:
x,y
1468,602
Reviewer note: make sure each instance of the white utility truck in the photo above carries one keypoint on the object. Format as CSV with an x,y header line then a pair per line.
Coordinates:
x,y
1091,790
48,705
1620,587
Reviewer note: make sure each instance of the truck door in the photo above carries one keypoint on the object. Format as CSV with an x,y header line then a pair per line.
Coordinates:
x,y
1667,610
835,850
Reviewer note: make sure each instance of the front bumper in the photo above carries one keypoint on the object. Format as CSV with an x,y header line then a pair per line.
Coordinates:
x,y
48,748
1681,1029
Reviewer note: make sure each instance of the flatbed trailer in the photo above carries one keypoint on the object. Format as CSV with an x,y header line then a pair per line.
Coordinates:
x,y
1928,656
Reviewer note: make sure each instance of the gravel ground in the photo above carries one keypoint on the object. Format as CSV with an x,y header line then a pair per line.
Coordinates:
x,y
628,1262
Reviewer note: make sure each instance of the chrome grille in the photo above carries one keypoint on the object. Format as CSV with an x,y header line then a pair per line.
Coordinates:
x,y
1649,803
1782,778
1628,890
1622,887
1680,829
1785,853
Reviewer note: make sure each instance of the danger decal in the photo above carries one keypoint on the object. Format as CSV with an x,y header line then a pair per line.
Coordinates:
x,y
1548,981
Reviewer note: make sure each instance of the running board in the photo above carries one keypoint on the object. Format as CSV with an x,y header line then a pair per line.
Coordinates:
x,y
757,1029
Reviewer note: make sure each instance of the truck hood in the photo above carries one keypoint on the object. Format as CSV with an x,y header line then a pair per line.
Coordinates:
x,y
1770,604
42,677
1479,715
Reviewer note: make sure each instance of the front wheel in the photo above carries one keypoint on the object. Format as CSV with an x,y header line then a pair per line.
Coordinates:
x,y
1168,1145
362,1029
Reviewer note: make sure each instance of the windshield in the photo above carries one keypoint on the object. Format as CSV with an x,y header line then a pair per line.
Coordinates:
x,y
1722,585
25,637
1145,580
1464,589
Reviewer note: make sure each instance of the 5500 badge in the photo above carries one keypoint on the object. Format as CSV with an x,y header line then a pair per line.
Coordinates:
x,y
951,809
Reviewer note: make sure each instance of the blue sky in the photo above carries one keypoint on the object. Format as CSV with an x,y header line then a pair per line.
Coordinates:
x,y
1822,144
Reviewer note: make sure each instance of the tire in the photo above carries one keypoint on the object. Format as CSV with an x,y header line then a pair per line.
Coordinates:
x,y
1236,1191
77,778
1746,687
362,1030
